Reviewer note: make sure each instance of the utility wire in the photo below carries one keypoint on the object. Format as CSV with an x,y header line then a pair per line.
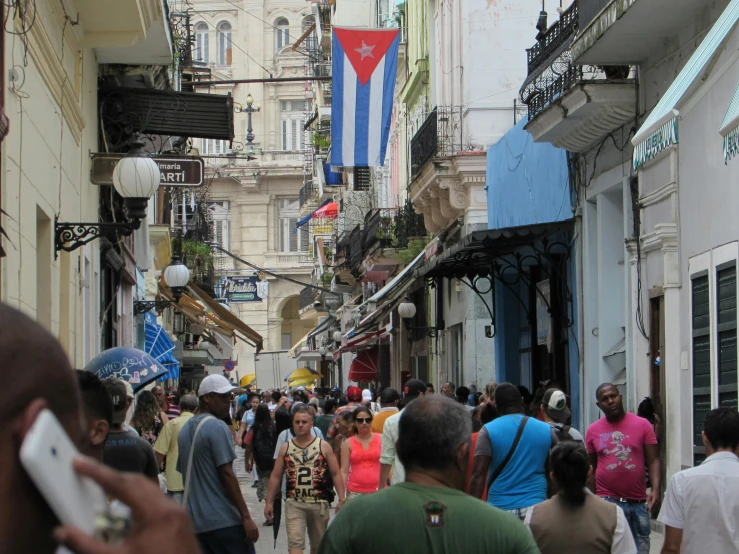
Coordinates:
x,y
231,42
256,267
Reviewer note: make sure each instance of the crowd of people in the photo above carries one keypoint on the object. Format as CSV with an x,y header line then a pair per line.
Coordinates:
x,y
413,470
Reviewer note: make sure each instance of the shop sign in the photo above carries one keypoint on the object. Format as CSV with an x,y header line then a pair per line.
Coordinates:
x,y
244,289
184,171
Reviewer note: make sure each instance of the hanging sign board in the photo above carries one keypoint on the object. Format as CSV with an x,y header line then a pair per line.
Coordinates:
x,y
244,289
185,171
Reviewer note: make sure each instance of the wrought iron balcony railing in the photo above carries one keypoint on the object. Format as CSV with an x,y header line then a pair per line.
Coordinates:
x,y
305,193
557,36
307,297
408,225
378,230
342,255
356,251
182,38
439,136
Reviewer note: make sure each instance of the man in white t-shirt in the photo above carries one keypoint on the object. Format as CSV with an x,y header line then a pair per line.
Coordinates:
x,y
701,507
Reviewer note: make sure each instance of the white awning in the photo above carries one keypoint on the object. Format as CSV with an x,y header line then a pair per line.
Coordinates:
x,y
397,285
659,131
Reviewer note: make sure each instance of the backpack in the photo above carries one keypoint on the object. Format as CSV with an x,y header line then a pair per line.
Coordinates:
x,y
562,432
264,448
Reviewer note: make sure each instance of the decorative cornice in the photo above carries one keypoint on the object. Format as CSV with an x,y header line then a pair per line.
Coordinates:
x,y
664,237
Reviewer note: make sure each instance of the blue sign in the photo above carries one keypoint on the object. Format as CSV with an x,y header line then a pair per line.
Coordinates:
x,y
243,289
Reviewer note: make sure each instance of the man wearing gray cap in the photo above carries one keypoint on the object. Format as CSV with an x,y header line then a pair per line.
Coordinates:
x,y
212,495
124,449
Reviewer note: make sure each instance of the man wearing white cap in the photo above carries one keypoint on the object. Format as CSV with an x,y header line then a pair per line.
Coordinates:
x,y
212,495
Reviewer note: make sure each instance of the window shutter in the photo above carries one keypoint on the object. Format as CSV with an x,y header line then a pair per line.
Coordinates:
x,y
284,135
361,178
701,362
726,344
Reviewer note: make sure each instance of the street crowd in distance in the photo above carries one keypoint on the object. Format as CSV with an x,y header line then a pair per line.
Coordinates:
x,y
414,470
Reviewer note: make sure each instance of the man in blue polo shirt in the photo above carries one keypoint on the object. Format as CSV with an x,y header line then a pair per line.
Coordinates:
x,y
518,471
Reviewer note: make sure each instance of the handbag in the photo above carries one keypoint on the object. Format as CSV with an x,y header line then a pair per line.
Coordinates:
x,y
501,467
189,461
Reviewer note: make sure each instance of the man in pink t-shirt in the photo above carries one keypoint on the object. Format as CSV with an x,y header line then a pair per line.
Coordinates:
x,y
617,445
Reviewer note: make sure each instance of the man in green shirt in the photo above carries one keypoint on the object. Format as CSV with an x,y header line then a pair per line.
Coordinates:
x,y
428,512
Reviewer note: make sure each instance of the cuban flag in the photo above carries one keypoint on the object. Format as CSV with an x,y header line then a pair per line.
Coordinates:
x,y
364,66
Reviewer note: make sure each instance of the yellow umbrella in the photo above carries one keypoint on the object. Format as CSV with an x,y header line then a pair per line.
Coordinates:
x,y
303,382
247,380
302,373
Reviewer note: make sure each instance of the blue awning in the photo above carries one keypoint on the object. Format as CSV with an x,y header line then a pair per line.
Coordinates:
x,y
659,131
160,347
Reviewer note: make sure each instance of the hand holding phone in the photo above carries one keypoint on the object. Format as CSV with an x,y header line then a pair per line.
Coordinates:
x,y
47,454
159,525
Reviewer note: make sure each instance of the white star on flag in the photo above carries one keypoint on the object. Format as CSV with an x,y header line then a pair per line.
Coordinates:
x,y
365,51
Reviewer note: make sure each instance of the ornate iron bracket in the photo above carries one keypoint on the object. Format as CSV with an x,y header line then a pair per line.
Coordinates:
x,y
143,306
70,236
431,332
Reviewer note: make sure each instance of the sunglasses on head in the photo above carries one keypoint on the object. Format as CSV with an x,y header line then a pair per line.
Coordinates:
x,y
363,420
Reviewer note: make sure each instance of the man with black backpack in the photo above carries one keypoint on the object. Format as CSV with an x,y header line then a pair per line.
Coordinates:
x,y
511,456
555,412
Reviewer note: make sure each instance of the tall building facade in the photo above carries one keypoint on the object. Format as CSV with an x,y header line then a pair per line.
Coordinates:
x,y
254,185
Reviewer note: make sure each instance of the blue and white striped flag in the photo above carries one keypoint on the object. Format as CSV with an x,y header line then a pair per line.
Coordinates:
x,y
364,65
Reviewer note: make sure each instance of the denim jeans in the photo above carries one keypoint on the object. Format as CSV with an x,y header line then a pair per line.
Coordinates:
x,y
637,516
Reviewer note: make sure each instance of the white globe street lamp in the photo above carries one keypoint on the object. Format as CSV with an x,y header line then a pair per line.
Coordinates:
x,y
407,309
136,178
176,276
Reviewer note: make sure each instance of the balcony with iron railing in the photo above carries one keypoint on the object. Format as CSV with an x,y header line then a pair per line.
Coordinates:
x,y
554,40
439,136
356,250
378,230
408,225
307,297
306,193
571,105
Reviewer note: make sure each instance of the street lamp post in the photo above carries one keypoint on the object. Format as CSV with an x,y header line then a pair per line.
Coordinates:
x,y
250,109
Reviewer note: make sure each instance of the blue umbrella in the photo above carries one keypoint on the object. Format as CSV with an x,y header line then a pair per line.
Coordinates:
x,y
127,364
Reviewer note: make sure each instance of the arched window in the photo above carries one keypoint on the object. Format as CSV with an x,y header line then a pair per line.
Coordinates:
x,y
283,32
224,43
201,43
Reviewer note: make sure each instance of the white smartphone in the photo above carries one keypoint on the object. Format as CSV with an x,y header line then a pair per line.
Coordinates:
x,y
47,455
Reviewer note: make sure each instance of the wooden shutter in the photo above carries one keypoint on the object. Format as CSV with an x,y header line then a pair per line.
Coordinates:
x,y
726,335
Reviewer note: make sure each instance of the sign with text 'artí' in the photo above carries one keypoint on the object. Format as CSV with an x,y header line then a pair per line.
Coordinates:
x,y
184,171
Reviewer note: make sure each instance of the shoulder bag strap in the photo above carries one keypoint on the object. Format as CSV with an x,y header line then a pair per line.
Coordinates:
x,y
504,463
189,461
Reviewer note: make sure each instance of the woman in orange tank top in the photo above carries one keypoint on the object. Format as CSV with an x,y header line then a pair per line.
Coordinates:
x,y
360,456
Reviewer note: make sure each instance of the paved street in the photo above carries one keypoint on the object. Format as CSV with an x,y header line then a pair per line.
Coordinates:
x,y
266,543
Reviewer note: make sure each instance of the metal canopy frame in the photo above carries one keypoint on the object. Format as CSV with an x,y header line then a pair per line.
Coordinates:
x,y
504,256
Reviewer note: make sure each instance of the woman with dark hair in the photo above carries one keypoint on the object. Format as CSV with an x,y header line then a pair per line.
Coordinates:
x,y
574,519
148,418
260,444
360,456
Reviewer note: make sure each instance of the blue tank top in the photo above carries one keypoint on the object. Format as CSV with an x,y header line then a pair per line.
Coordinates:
x,y
523,482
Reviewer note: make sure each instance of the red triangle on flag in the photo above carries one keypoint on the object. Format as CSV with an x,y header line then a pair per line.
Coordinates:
x,y
365,48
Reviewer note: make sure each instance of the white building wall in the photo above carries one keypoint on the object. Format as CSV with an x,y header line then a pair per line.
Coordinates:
x,y
52,107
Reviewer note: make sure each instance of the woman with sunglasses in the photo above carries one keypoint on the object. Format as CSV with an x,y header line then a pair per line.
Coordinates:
x,y
360,456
